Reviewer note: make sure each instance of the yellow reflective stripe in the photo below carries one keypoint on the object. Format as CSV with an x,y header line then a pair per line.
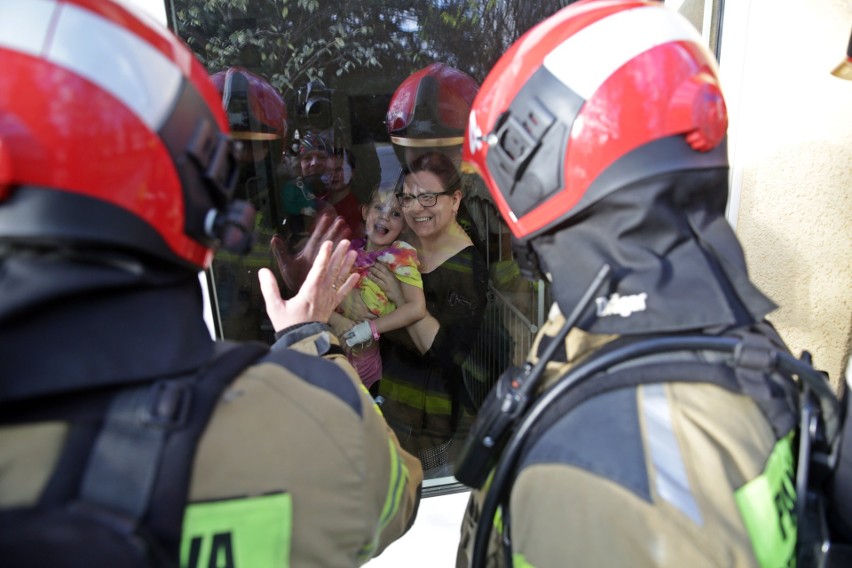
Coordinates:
x,y
396,487
438,404
399,477
435,403
767,504
375,406
518,561
498,520
246,533
498,514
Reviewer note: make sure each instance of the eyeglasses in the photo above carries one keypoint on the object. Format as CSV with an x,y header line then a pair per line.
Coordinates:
x,y
425,199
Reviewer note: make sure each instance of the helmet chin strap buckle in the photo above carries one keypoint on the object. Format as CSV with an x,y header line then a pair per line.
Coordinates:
x,y
233,227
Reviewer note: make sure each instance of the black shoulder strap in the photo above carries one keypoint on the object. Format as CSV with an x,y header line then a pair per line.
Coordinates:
x,y
746,374
171,491
139,469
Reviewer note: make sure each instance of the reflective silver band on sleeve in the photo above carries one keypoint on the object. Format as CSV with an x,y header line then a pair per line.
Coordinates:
x,y
669,474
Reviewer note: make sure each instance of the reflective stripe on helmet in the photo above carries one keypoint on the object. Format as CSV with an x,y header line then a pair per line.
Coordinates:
x,y
144,79
24,24
427,142
570,62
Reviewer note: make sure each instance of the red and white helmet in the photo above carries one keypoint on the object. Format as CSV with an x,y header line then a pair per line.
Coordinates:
x,y
256,110
112,135
429,109
589,101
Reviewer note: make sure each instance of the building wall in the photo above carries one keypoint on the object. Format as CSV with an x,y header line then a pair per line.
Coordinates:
x,y
791,158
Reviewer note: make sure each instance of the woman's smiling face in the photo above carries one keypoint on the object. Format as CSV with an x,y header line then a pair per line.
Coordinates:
x,y
428,221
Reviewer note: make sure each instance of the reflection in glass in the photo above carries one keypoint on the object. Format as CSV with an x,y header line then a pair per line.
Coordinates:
x,y
337,73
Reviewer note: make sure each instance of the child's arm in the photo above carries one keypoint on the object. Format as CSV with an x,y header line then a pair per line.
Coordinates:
x,y
340,324
414,309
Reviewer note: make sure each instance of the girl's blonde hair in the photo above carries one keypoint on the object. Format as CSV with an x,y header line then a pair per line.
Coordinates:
x,y
382,192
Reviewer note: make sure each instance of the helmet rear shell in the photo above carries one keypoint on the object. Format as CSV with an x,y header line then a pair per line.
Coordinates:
x,y
109,125
555,119
256,110
430,108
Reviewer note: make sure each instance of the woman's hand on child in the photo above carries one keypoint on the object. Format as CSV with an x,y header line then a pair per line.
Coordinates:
x,y
326,284
358,334
382,275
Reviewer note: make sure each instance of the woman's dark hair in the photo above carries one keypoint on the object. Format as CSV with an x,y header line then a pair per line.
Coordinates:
x,y
346,154
438,164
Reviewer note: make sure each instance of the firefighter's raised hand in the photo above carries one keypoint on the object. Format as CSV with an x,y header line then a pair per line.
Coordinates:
x,y
327,282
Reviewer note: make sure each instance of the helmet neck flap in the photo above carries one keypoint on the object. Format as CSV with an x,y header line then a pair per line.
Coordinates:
x,y
99,319
676,263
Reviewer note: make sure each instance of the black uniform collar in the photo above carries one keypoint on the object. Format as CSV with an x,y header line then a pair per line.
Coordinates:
x,y
67,325
676,262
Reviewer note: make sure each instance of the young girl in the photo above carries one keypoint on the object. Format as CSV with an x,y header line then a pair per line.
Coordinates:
x,y
384,222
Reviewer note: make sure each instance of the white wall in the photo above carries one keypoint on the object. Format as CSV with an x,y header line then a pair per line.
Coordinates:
x,y
791,157
433,540
155,8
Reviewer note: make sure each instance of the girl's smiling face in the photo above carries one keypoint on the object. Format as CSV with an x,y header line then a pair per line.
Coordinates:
x,y
383,219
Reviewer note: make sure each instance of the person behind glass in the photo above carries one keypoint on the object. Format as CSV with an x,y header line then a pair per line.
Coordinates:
x,y
105,225
428,113
337,179
258,119
384,222
303,196
422,375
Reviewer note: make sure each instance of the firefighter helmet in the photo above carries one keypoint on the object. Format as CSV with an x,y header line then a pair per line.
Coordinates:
x,y
112,136
429,109
568,115
255,108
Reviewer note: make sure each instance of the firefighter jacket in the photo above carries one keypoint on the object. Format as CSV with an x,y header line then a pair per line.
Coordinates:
x,y
663,475
296,466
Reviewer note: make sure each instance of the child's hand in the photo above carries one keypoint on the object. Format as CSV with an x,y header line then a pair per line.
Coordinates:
x,y
340,324
294,268
360,333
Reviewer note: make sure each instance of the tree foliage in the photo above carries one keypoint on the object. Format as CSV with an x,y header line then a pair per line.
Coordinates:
x,y
360,45
291,42
471,35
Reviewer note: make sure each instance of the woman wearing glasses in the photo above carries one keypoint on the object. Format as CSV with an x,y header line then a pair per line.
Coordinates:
x,y
422,377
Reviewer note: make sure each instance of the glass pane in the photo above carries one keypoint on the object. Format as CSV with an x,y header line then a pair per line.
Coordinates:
x,y
327,147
